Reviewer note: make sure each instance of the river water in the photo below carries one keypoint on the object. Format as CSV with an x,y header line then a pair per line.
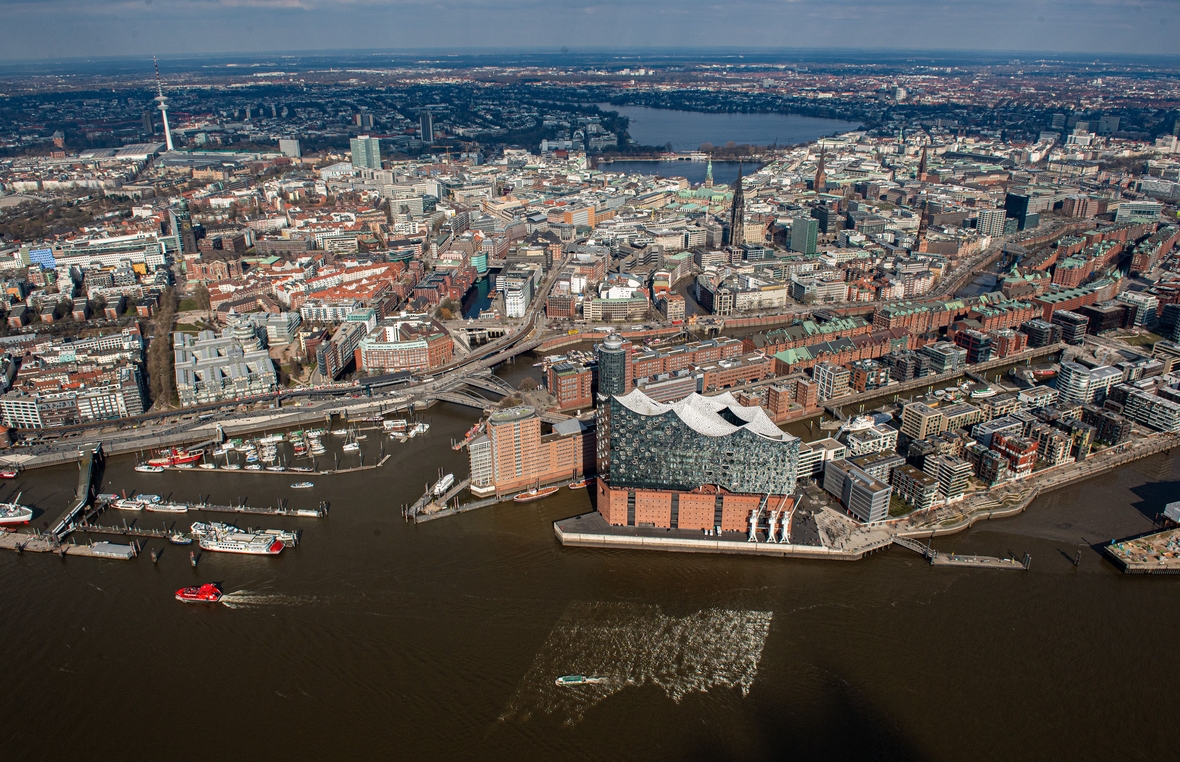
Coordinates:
x,y
380,639
688,130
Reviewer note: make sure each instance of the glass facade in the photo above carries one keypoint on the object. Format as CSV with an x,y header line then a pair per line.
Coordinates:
x,y
663,451
614,366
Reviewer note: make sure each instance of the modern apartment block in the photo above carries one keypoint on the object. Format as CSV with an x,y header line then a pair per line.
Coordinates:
x,y
212,368
863,496
515,454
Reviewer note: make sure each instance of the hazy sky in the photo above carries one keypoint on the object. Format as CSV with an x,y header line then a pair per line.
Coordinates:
x,y
69,28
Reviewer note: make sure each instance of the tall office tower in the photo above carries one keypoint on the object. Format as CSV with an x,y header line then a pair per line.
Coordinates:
x,y
426,125
366,152
614,366
149,127
290,147
804,231
737,213
991,222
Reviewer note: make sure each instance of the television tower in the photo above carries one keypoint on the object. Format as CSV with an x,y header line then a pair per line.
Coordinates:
x,y
163,101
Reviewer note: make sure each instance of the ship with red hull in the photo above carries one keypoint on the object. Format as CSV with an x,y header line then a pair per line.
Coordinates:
x,y
175,456
210,592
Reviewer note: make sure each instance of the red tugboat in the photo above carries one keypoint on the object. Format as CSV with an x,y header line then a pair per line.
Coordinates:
x,y
175,456
210,592
9,474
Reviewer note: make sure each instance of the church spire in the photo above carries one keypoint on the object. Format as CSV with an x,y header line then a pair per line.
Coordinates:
x,y
709,175
821,179
737,213
922,166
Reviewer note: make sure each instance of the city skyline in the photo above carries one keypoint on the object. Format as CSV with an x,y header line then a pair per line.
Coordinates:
x,y
43,30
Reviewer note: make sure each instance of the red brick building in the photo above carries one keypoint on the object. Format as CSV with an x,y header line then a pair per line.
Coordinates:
x,y
571,383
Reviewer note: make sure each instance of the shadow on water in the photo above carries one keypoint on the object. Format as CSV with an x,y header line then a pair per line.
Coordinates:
x,y
1153,497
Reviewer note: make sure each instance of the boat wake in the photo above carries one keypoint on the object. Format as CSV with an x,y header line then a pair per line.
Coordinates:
x,y
629,644
245,598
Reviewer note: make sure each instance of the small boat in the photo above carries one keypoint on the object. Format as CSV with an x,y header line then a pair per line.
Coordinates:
x,y
210,592
185,465
580,484
232,467
276,468
340,432
351,447
9,474
301,469
177,538
302,485
566,680
208,466
253,467
147,468
533,494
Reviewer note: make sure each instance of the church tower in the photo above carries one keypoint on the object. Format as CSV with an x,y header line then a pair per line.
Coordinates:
x,y
709,175
922,175
821,179
737,213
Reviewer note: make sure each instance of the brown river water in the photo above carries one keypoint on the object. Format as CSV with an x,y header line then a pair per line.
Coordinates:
x,y
380,639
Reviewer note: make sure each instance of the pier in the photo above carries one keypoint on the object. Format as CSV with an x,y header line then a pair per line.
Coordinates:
x,y
281,510
420,510
21,543
288,472
1153,553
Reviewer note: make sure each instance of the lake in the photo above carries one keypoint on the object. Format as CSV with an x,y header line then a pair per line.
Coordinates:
x,y
687,130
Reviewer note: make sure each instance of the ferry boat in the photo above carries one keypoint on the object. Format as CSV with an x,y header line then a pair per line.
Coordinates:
x,y
166,508
302,485
125,504
147,468
175,456
984,393
567,680
14,513
442,485
533,494
248,543
202,528
9,474
396,426
209,592
580,484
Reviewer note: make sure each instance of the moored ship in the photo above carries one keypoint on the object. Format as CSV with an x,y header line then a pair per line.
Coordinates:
x,y
175,456
534,494
14,513
248,543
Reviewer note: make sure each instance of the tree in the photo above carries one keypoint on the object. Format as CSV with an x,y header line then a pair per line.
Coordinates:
x,y
528,384
161,374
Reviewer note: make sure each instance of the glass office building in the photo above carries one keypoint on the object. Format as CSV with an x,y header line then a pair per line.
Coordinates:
x,y
696,441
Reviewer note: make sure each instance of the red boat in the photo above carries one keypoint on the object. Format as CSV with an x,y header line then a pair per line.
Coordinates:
x,y
175,457
533,494
9,474
210,592
580,484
